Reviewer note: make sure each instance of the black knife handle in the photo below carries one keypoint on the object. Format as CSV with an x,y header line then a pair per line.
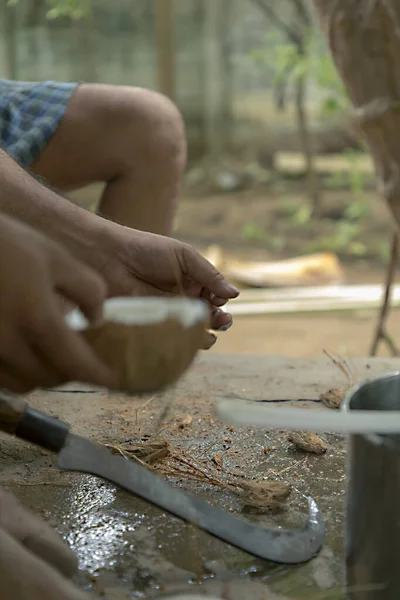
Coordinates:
x,y
41,429
12,409
17,418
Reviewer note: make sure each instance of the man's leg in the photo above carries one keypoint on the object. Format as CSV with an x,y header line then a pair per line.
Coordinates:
x,y
134,140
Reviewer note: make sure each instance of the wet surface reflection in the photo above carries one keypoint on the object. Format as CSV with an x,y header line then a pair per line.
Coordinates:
x,y
99,533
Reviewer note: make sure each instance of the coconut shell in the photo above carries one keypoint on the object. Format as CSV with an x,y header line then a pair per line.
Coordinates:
x,y
147,357
149,342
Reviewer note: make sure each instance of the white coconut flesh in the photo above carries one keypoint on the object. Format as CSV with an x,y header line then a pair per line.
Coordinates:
x,y
257,415
146,311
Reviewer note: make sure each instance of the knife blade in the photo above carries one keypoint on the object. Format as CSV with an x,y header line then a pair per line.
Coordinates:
x,y
260,416
79,454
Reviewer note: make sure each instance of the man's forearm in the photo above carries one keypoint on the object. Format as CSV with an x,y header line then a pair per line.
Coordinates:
x,y
26,199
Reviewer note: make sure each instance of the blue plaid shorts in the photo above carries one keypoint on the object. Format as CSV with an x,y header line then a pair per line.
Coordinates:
x,y
29,116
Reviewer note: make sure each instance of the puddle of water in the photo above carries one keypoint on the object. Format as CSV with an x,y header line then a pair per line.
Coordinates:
x,y
97,532
128,543
123,543
110,530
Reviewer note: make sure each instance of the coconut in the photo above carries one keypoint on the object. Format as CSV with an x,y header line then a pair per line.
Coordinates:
x,y
150,342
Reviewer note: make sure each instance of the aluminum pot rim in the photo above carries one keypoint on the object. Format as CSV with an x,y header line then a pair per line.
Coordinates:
x,y
345,407
374,438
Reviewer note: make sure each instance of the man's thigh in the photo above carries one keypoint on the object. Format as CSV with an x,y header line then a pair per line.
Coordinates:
x,y
30,113
105,130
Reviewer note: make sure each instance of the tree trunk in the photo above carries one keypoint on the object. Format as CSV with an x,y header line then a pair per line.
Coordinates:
x,y
364,37
214,77
166,51
227,15
305,141
9,31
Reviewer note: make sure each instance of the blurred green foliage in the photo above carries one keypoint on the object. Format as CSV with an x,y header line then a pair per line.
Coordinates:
x,y
313,61
73,9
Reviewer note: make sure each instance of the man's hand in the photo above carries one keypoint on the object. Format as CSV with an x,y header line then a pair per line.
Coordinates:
x,y
143,264
132,262
37,349
34,563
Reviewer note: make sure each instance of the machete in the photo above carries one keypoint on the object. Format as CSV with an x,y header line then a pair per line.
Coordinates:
x,y
76,453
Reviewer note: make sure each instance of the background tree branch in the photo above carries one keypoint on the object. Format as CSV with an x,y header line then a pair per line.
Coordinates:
x,y
271,14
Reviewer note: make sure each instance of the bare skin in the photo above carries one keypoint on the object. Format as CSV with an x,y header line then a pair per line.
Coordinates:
x,y
131,139
131,262
37,349
34,563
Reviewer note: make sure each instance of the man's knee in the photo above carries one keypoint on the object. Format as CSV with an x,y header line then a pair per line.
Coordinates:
x,y
155,127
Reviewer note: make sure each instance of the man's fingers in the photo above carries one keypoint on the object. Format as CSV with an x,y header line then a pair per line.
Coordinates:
x,y
210,340
24,575
82,286
33,533
212,299
68,351
199,269
12,382
25,364
220,320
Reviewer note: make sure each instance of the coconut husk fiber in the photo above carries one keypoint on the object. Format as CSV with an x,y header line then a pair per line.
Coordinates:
x,y
307,442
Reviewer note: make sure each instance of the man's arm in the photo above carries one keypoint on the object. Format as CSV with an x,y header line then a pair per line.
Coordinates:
x,y
131,262
26,199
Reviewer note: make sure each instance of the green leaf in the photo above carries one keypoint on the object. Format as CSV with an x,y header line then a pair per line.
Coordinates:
x,y
358,249
330,106
251,231
302,216
74,9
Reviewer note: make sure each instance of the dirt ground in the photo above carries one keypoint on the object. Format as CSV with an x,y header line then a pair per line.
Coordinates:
x,y
268,224
306,335
128,549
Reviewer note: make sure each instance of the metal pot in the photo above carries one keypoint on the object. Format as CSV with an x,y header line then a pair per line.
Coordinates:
x,y
372,533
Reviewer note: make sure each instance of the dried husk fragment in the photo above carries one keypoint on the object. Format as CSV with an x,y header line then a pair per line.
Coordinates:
x,y
264,495
333,398
307,442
